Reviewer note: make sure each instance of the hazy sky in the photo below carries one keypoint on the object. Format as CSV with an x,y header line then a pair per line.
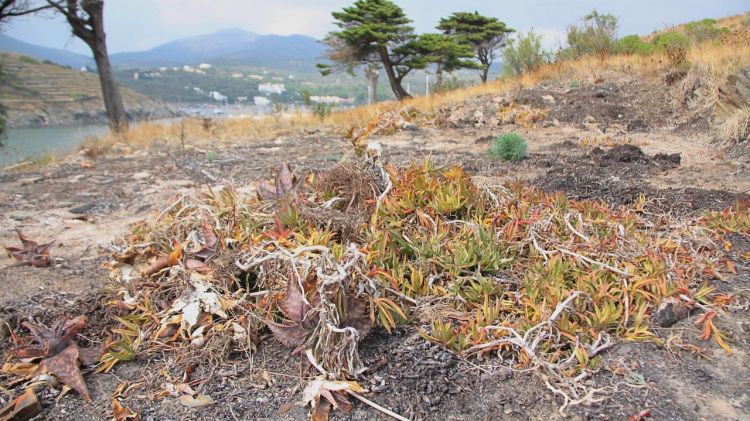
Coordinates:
x,y
142,24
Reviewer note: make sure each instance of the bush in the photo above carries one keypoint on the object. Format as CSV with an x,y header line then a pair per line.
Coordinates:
x,y
674,44
633,44
597,35
524,53
704,30
509,147
669,40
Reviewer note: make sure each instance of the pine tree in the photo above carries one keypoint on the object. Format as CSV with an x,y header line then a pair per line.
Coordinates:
x,y
485,35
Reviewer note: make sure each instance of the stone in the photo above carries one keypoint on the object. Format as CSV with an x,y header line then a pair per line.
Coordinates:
x,y
549,99
141,175
670,311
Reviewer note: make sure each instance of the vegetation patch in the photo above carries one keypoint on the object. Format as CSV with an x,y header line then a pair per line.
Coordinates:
x,y
509,147
532,279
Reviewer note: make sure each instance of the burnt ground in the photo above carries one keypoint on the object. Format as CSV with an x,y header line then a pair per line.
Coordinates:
x,y
85,207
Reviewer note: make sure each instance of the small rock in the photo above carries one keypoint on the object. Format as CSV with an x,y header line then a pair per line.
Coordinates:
x,y
671,311
507,409
140,175
549,99
589,120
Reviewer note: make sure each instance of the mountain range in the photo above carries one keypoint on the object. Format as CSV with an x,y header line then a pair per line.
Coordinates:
x,y
229,47
54,55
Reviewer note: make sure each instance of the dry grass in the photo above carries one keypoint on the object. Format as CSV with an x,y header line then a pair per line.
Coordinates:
x,y
736,128
716,60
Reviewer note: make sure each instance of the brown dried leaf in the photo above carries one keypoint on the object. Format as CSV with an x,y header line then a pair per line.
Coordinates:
x,y
64,366
22,408
32,253
121,413
196,401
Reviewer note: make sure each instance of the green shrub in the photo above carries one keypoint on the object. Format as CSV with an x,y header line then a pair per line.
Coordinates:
x,y
597,35
675,45
509,147
524,53
633,44
704,30
27,59
671,40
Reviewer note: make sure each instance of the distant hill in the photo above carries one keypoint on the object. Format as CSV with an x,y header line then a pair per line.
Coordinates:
x,y
235,47
55,55
41,94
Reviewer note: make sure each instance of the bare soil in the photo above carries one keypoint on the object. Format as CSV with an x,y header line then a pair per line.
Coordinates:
x,y
674,167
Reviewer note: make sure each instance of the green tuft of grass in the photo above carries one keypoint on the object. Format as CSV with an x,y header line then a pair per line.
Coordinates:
x,y
509,147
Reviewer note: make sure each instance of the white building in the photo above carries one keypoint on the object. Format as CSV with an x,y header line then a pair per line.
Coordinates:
x,y
217,96
261,100
204,66
272,88
188,69
255,77
237,75
331,100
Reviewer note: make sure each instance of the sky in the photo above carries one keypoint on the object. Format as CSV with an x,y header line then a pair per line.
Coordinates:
x,y
134,25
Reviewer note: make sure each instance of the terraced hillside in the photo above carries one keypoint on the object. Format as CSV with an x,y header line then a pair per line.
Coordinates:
x,y
45,94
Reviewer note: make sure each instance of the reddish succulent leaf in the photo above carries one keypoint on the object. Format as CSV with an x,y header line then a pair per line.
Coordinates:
x,y
196,265
284,180
32,253
294,306
292,335
64,366
281,187
209,236
22,408
51,341
90,356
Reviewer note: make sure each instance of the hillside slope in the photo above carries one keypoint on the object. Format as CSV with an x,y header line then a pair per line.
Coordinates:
x,y
56,55
40,94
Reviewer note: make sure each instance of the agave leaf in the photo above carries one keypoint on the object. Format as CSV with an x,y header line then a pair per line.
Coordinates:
x,y
31,253
64,366
291,335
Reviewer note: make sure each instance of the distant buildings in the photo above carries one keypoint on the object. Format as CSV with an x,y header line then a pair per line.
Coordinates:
x,y
331,100
272,88
217,96
261,100
204,66
255,77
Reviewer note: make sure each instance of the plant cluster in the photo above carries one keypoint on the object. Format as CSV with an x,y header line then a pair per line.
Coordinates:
x,y
524,53
535,279
509,147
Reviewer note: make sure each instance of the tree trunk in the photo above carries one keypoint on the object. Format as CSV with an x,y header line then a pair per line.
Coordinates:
x,y
118,119
90,30
371,72
395,82
485,71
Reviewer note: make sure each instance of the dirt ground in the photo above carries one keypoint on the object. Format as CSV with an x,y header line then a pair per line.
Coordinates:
x,y
619,154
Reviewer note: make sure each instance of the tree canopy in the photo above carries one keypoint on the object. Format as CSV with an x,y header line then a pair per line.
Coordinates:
x,y
484,35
